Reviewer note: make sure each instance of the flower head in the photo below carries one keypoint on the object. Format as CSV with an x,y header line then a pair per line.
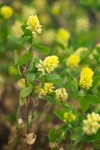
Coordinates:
x,y
63,35
82,24
86,81
61,94
28,11
55,8
40,4
48,65
47,89
16,29
48,33
6,12
73,61
69,117
92,124
86,78
87,71
81,50
33,24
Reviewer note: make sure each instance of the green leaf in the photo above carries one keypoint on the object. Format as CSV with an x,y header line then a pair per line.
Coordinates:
x,y
15,57
63,128
27,32
30,77
94,100
19,70
98,49
27,36
22,101
52,135
84,103
23,27
96,79
51,77
81,93
25,92
97,58
74,85
26,39
61,45
26,58
87,100
41,48
33,64
59,114
93,138
50,99
84,55
14,39
77,134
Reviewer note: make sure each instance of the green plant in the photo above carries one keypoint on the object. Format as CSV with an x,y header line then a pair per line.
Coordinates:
x,y
75,106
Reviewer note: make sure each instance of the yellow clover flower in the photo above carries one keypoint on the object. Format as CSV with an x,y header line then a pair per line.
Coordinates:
x,y
16,29
6,12
69,117
82,24
56,8
61,94
86,81
33,24
86,78
73,61
40,4
27,11
87,71
47,89
48,65
63,35
92,124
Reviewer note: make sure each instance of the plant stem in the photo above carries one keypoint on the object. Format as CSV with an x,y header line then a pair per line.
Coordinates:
x,y
18,111
27,113
27,116
26,105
